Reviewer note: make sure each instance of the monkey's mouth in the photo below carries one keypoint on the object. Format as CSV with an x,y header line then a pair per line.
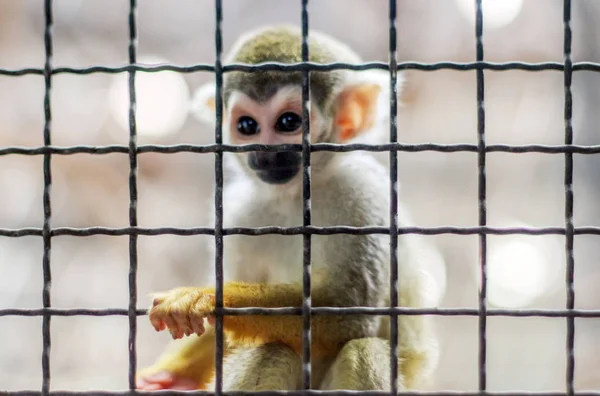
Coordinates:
x,y
278,175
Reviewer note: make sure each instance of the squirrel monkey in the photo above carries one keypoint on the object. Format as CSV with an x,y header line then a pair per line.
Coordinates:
x,y
348,189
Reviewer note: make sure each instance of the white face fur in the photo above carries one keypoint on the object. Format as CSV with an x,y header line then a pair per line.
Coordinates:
x,y
276,121
279,121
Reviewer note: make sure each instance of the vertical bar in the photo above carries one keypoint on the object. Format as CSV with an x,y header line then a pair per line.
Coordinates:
x,y
133,264
393,64
218,198
46,228
306,281
482,198
569,227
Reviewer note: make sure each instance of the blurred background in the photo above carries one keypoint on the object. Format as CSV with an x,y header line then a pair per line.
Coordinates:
x,y
175,189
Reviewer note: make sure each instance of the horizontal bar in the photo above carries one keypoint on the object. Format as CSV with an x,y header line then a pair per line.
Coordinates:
x,y
213,148
301,230
308,66
321,311
380,311
297,393
68,312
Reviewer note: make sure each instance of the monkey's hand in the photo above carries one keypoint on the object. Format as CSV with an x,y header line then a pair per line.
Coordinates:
x,y
183,310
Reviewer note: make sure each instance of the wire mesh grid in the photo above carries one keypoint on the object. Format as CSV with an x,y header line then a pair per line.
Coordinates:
x,y
307,230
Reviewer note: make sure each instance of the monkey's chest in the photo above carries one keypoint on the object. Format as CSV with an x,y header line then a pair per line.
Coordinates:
x,y
266,258
274,258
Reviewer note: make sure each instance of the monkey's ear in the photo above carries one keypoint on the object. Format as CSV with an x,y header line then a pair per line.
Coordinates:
x,y
364,104
356,109
203,104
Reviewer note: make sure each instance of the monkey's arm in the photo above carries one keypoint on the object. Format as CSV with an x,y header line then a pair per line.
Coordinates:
x,y
189,364
182,311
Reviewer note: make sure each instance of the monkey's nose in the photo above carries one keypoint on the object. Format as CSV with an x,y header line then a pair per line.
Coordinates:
x,y
261,161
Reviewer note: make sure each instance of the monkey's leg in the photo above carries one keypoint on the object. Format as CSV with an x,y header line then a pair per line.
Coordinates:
x,y
418,349
188,365
268,367
362,364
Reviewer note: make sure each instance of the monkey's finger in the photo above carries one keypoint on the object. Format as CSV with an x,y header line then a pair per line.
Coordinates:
x,y
174,328
198,326
171,322
212,320
184,323
156,321
176,333
163,326
189,328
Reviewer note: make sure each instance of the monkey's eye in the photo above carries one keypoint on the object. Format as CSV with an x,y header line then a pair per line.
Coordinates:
x,y
247,126
288,122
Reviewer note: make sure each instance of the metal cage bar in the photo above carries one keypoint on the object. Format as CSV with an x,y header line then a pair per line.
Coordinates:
x,y
422,66
334,147
481,199
316,311
313,230
392,55
306,206
218,230
47,229
569,226
133,197
299,393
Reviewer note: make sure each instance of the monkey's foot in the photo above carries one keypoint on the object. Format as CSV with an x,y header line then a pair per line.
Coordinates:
x,y
165,380
182,311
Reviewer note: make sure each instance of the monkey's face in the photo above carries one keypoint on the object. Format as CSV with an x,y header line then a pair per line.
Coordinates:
x,y
277,120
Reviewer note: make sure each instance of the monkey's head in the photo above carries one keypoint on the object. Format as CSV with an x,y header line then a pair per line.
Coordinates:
x,y
265,107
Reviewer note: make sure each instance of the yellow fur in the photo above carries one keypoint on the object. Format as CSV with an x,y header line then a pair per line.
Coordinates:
x,y
196,304
194,359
